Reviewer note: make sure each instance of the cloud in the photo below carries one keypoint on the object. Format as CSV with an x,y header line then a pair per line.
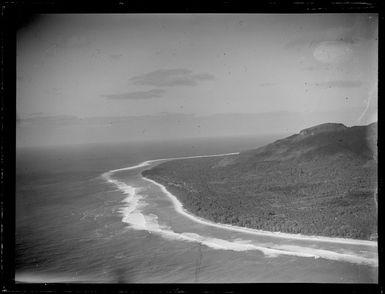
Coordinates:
x,y
115,56
76,41
40,114
138,95
320,66
339,84
332,52
171,77
52,120
311,41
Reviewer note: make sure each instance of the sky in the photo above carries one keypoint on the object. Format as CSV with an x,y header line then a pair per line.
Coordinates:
x,y
104,78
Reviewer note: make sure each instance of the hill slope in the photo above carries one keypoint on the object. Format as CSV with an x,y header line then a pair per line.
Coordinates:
x,y
321,181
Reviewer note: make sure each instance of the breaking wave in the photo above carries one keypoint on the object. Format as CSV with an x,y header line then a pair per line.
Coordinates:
x,y
133,215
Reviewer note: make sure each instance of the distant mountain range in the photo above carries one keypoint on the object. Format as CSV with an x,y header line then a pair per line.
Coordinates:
x,y
321,181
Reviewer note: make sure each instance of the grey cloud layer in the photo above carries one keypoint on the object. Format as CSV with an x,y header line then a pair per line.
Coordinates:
x,y
137,95
161,78
171,77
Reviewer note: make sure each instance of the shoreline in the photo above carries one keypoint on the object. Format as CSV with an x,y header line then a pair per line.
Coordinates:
x,y
181,210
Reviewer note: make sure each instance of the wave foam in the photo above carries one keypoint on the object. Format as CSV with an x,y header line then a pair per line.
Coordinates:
x,y
133,215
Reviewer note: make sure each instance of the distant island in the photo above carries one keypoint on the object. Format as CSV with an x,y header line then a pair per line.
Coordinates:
x,y
321,181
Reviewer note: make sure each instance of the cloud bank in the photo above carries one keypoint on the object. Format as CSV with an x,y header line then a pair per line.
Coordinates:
x,y
171,78
137,95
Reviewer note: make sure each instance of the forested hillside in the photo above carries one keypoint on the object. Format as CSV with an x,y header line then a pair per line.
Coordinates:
x,y
321,181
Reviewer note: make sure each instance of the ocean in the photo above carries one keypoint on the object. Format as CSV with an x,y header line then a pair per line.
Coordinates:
x,y
79,221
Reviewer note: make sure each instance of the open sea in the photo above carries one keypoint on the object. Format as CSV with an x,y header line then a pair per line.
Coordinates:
x,y
78,220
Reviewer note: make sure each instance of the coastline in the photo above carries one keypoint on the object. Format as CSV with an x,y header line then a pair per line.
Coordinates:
x,y
148,162
181,210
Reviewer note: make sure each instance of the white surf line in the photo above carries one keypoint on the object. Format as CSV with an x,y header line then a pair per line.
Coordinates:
x,y
148,162
180,209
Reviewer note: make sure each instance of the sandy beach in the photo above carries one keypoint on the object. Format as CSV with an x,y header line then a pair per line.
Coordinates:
x,y
180,209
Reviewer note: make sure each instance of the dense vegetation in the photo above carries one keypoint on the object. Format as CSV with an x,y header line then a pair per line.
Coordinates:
x,y
318,182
